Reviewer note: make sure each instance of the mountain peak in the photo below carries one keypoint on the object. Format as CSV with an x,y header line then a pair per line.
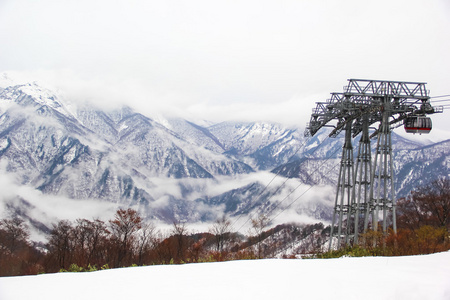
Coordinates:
x,y
32,94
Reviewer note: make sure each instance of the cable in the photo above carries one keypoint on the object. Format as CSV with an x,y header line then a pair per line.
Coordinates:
x,y
440,96
445,100
297,188
296,199
276,175
302,184
252,214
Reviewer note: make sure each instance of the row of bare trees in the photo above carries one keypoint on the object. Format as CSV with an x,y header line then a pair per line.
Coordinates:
x,y
122,241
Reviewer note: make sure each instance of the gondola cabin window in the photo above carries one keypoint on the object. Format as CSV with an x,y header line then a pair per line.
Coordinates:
x,y
417,124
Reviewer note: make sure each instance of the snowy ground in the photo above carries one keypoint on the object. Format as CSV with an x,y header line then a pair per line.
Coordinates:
x,y
411,277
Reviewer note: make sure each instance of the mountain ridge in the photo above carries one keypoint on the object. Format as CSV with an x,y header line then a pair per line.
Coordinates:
x,y
179,169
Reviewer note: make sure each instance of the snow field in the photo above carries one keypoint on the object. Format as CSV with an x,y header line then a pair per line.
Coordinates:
x,y
410,277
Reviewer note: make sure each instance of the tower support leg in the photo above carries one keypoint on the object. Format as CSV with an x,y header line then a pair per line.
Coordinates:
x,y
382,192
362,181
343,193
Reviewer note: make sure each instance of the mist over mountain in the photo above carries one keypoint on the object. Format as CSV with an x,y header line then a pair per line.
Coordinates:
x,y
56,157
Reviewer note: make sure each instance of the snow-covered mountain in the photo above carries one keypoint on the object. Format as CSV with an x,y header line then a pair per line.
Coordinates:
x,y
173,169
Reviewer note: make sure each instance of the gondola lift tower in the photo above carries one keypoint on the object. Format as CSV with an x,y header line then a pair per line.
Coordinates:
x,y
365,190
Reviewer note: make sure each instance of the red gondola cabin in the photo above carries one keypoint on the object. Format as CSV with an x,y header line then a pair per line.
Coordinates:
x,y
417,124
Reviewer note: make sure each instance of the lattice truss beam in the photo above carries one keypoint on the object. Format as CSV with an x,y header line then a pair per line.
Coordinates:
x,y
367,192
368,97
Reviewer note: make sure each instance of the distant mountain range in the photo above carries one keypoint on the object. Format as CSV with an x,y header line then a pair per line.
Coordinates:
x,y
175,169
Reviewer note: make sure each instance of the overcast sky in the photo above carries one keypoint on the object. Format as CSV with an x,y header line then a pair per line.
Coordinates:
x,y
219,60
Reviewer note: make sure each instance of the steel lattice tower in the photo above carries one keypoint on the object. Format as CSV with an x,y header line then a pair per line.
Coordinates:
x,y
366,192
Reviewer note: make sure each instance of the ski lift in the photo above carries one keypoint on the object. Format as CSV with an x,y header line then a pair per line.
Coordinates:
x,y
417,124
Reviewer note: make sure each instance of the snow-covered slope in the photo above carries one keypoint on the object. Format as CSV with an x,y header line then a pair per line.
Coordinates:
x,y
247,138
409,277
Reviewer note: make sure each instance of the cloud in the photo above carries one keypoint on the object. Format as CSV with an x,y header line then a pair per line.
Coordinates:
x,y
46,208
232,60
248,59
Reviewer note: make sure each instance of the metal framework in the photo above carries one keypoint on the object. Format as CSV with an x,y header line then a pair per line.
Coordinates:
x,y
366,192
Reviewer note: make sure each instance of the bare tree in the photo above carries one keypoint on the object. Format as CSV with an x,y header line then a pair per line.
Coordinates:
x,y
179,231
221,229
14,234
90,238
60,244
124,226
146,240
16,253
97,242
258,226
163,247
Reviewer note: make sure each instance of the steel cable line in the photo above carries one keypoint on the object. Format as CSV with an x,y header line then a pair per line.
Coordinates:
x,y
334,152
301,183
276,175
252,214
296,199
442,96
444,100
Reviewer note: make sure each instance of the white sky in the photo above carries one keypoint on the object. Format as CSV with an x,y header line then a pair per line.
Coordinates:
x,y
219,60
